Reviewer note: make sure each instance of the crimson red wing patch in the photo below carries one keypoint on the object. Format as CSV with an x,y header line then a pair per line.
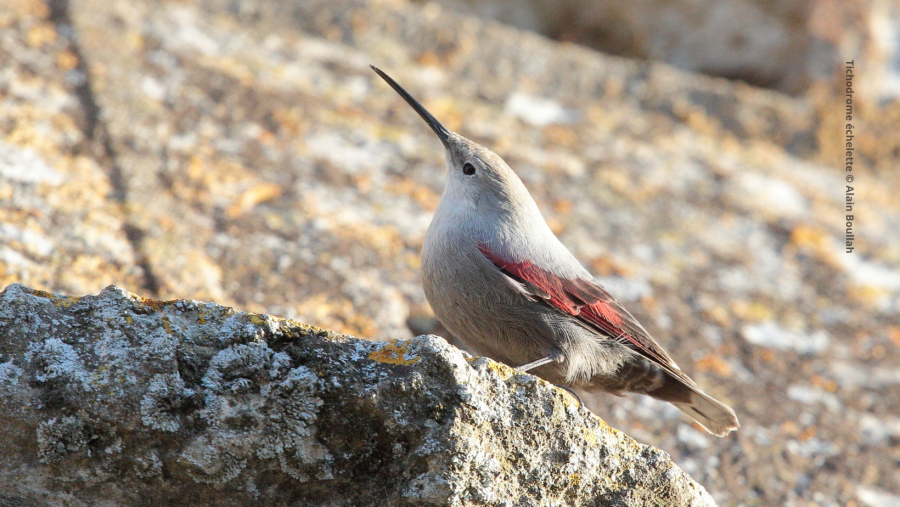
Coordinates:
x,y
587,301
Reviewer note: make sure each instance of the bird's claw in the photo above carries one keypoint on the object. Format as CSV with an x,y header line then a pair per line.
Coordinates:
x,y
573,393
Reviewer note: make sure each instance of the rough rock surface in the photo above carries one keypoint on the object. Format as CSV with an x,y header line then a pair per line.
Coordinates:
x,y
762,42
791,45
243,152
118,400
795,46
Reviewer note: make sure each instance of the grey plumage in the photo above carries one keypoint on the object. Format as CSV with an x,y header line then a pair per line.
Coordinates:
x,y
498,278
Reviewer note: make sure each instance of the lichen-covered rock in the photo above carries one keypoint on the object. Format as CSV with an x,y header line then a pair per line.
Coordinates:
x,y
120,400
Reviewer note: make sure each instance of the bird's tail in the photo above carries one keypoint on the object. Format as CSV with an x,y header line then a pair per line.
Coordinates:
x,y
715,416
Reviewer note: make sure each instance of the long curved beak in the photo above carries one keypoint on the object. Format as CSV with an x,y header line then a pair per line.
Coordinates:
x,y
442,133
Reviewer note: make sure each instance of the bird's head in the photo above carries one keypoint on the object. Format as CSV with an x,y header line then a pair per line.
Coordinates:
x,y
478,180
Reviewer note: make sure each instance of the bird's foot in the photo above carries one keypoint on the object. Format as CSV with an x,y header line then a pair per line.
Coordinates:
x,y
573,393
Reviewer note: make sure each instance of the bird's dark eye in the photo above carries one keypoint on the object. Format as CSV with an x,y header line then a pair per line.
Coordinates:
x,y
468,169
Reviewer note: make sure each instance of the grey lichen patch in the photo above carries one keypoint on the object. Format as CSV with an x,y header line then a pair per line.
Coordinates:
x,y
291,411
147,466
272,420
185,400
9,376
211,462
165,394
60,436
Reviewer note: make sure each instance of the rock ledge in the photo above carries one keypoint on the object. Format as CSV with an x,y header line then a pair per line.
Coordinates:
x,y
118,400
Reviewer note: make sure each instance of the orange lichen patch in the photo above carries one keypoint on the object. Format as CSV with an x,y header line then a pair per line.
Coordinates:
x,y
805,236
563,206
428,58
561,135
392,353
166,325
790,428
824,383
807,433
867,294
718,315
751,312
557,226
894,335
41,35
617,181
815,240
30,8
502,371
713,363
423,195
59,301
152,303
384,240
259,320
67,60
445,109
291,122
39,293
135,40
603,424
767,355
606,265
575,479
65,302
257,194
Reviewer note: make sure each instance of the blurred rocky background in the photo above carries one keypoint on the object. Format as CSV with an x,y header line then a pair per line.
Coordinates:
x,y
242,152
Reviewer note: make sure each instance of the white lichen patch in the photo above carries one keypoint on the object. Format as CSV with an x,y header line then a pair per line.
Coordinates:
x,y
166,392
234,368
9,376
54,359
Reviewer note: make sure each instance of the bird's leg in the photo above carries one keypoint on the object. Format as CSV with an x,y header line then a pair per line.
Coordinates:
x,y
549,359
534,364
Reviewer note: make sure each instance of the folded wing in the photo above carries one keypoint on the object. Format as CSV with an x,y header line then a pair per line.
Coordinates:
x,y
587,301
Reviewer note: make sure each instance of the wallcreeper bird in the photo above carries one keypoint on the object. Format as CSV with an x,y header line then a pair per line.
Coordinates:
x,y
500,280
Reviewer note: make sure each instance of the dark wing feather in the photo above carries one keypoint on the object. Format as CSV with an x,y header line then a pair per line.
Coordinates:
x,y
590,303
